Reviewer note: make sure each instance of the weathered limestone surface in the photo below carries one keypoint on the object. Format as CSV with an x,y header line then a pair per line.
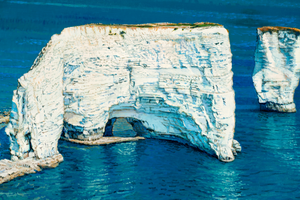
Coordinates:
x,y
36,119
170,81
277,67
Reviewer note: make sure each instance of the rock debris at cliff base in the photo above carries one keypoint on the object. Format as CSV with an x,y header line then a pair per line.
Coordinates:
x,y
4,118
105,140
13,169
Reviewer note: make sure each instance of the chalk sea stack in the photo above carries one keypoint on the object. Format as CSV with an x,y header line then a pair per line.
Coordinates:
x,y
169,81
277,68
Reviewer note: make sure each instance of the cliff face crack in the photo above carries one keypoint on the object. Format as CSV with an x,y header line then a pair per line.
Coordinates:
x,y
167,83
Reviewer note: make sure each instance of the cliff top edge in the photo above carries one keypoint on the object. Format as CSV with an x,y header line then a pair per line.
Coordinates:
x,y
277,28
156,25
149,26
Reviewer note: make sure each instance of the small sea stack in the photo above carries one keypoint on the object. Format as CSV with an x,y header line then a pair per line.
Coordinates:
x,y
277,68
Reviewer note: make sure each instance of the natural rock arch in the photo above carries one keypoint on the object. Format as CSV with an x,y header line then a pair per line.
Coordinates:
x,y
174,79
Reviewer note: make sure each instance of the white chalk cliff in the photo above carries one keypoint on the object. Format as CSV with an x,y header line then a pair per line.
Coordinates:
x,y
277,68
170,81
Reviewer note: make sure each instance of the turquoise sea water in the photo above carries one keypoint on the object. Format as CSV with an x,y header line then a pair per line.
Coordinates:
x,y
267,168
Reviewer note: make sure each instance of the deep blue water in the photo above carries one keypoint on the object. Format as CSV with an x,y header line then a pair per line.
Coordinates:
x,y
267,168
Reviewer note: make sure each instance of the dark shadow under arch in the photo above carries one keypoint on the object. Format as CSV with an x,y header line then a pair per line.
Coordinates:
x,y
137,128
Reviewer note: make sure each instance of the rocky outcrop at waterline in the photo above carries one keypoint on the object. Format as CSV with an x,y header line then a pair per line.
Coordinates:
x,y
169,81
4,118
277,67
13,169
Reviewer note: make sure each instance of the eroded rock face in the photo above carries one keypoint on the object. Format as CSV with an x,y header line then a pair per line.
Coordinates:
x,y
277,67
169,81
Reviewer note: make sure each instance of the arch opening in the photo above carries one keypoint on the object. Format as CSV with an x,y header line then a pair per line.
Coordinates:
x,y
119,127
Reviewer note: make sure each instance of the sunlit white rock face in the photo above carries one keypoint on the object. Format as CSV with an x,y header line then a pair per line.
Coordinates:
x,y
169,81
277,67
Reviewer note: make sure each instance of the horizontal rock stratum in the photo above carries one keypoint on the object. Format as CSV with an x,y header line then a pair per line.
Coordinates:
x,y
277,68
170,81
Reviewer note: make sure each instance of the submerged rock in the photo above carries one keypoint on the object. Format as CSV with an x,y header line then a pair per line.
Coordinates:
x,y
170,81
277,67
